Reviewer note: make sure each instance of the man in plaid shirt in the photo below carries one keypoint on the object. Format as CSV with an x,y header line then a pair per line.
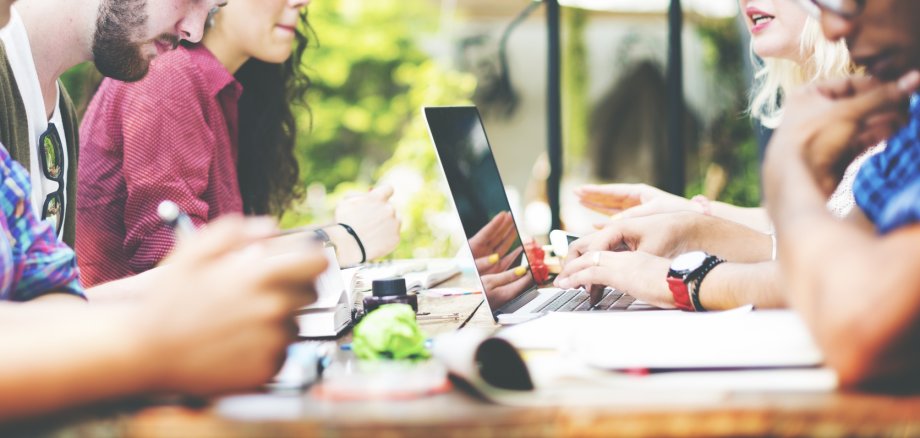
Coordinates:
x,y
855,282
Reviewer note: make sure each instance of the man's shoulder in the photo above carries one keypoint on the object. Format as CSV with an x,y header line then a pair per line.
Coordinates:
x,y
172,74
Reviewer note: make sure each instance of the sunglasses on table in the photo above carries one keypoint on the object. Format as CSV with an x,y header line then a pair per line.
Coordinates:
x,y
51,155
844,8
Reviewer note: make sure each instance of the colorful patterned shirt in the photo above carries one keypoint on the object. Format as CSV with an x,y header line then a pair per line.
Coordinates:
x,y
887,188
33,261
170,136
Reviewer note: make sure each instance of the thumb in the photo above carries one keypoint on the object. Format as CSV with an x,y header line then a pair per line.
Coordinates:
x,y
383,192
885,96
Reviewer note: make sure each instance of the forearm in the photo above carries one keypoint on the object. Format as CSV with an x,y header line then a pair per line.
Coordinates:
x,y
346,248
126,288
858,292
752,217
749,247
731,285
58,357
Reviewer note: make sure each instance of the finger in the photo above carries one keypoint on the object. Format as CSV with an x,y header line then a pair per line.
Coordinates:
x,y
506,277
610,237
602,209
841,88
877,129
383,192
222,236
616,200
510,239
592,275
582,262
510,258
493,230
521,283
504,233
292,268
886,96
483,264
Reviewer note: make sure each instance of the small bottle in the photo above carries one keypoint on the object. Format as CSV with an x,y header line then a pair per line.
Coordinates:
x,y
389,291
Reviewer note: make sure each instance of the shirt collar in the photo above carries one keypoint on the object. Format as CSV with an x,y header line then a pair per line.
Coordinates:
x,y
216,76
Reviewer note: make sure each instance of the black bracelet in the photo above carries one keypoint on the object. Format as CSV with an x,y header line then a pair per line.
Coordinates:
x,y
357,240
695,284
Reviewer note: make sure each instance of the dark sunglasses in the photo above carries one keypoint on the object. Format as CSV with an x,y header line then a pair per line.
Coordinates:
x,y
844,8
51,155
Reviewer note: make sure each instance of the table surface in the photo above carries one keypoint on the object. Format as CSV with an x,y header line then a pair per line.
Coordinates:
x,y
456,412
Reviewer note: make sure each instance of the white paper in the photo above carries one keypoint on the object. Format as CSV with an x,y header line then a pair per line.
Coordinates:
x,y
673,339
329,285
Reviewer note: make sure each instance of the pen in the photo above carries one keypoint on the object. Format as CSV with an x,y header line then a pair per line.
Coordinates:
x,y
452,294
431,317
174,217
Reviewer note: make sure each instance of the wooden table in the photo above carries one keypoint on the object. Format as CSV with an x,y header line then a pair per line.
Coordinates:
x,y
456,413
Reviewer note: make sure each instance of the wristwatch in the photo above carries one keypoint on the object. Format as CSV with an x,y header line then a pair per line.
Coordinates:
x,y
320,235
684,278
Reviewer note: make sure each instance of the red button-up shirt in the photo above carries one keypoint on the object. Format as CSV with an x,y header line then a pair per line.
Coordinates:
x,y
171,136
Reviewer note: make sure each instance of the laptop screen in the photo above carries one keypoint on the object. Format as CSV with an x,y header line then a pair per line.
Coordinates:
x,y
478,193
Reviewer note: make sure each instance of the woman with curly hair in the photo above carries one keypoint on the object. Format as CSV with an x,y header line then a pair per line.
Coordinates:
x,y
210,128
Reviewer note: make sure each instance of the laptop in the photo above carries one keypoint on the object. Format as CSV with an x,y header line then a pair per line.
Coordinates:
x,y
479,196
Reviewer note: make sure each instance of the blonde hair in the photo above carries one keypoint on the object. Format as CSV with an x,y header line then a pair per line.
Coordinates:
x,y
823,60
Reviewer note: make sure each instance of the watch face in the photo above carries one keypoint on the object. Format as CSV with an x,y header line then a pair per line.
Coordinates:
x,y
689,262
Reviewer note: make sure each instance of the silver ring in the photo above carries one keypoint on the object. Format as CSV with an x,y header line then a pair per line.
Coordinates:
x,y
596,258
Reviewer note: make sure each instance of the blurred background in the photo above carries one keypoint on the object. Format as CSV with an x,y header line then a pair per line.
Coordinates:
x,y
374,64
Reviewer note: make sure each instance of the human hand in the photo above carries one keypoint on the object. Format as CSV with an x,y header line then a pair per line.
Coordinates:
x,y
632,200
504,286
222,319
374,220
827,125
669,235
491,264
644,276
491,244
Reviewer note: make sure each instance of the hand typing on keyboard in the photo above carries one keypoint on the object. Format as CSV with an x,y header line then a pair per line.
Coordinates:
x,y
639,274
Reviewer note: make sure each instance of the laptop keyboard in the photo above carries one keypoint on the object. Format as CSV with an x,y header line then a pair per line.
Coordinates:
x,y
577,300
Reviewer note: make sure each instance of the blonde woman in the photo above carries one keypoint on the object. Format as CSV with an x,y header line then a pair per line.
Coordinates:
x,y
662,247
793,53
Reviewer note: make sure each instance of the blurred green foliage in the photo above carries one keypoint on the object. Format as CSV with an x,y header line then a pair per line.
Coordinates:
x,y
370,79
731,137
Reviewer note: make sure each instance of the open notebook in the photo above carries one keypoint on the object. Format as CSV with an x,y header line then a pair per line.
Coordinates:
x,y
419,274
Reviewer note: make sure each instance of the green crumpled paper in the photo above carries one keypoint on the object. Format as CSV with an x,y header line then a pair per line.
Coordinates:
x,y
389,332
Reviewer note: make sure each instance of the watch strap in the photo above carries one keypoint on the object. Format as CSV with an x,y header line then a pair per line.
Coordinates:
x,y
320,235
698,276
680,292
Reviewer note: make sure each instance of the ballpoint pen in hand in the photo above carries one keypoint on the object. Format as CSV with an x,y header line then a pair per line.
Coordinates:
x,y
173,216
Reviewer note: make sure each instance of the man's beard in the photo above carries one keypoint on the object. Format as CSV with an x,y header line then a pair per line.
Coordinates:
x,y
115,52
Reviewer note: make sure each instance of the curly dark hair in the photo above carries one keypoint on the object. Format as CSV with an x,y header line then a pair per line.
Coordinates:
x,y
268,173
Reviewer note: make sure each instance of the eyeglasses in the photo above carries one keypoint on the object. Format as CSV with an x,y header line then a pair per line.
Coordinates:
x,y
51,155
844,8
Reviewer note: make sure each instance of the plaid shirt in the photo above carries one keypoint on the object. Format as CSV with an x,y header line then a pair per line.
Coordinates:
x,y
32,259
887,188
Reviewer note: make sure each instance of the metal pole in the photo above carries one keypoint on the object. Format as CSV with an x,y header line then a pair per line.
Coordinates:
x,y
677,180
554,111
